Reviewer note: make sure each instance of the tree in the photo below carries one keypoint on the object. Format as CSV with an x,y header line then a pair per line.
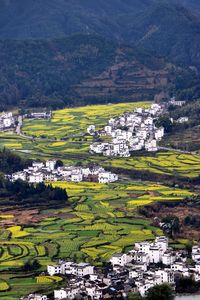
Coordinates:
x,y
31,265
186,285
165,122
132,296
161,292
58,164
173,223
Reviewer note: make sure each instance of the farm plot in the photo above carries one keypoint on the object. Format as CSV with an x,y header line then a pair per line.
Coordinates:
x,y
73,122
103,217
103,221
64,137
169,163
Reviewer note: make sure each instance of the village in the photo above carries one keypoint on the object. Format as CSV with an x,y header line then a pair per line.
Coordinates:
x,y
7,121
51,171
133,131
147,265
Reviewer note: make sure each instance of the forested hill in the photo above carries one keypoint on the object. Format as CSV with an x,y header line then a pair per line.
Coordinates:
x,y
168,27
21,193
81,69
169,30
73,52
49,19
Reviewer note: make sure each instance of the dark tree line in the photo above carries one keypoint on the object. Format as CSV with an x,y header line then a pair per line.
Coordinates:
x,y
11,162
20,193
158,292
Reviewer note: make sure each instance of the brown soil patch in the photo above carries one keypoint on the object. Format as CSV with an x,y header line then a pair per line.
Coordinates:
x,y
29,216
181,212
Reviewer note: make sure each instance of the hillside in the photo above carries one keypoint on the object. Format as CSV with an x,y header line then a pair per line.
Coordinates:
x,y
169,31
62,52
191,4
166,27
185,136
81,69
41,19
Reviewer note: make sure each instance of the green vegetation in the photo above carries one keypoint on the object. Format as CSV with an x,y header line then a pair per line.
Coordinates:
x,y
10,162
73,122
63,65
29,195
168,163
102,220
65,137
161,292
185,136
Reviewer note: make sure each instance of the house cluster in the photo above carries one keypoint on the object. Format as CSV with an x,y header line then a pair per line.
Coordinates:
x,y
7,121
147,265
39,115
150,264
175,102
35,297
182,120
133,131
49,171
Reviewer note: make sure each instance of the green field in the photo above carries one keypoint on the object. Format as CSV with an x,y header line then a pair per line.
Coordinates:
x,y
72,122
102,219
65,137
102,222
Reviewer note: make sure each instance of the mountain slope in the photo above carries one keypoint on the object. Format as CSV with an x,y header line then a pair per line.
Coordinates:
x,y
81,69
191,4
44,19
162,26
170,31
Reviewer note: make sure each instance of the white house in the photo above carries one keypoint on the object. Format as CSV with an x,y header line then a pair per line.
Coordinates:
x,y
144,286
148,121
52,270
162,242
182,120
120,259
19,175
168,259
155,254
37,165
106,177
177,103
151,145
50,164
179,267
70,268
82,269
35,297
36,177
196,253
108,129
76,177
91,130
142,257
143,247
94,292
68,293
164,276
7,122
159,133
197,268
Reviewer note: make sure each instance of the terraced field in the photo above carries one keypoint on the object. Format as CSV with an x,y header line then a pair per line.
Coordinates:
x,y
103,221
72,122
64,137
170,163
